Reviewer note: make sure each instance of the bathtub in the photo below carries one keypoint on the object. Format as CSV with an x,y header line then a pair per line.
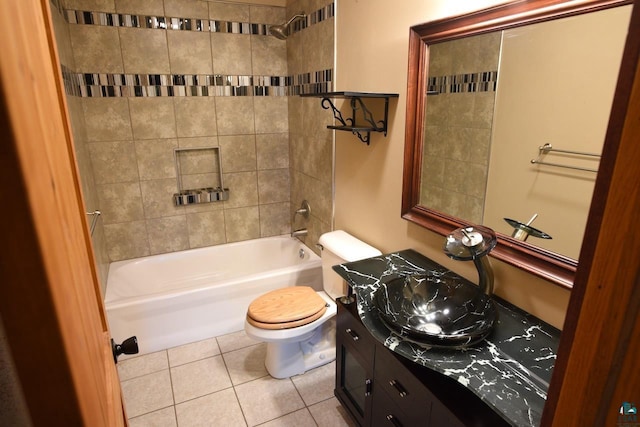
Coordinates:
x,y
181,297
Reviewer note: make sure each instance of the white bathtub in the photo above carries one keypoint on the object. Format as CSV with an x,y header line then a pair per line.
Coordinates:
x,y
181,297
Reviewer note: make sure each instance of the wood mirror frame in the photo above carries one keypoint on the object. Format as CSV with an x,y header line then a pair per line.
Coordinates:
x,y
554,267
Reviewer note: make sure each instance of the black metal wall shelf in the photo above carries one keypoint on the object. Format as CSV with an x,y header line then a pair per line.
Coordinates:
x,y
363,131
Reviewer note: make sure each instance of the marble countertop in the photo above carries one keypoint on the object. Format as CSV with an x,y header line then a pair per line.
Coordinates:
x,y
509,370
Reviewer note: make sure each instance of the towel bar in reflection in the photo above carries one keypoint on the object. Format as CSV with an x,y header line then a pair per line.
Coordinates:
x,y
547,148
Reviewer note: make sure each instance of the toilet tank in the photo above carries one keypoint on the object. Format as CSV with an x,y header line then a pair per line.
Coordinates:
x,y
339,247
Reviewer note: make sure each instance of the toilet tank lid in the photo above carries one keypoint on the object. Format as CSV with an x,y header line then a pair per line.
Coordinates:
x,y
347,247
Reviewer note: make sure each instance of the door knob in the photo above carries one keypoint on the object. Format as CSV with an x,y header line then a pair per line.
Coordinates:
x,y
128,346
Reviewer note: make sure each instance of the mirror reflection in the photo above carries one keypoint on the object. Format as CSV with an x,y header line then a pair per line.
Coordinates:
x,y
494,99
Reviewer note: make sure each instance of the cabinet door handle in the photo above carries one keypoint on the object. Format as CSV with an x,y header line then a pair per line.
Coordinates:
x,y
401,391
394,420
367,387
352,333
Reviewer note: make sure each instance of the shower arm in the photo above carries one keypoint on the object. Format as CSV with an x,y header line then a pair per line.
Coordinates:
x,y
300,15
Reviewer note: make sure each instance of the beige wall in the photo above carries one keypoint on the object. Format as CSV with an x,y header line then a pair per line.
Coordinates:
x,y
570,73
371,55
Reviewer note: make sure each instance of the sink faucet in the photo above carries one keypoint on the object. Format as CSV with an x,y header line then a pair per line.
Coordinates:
x,y
474,243
300,232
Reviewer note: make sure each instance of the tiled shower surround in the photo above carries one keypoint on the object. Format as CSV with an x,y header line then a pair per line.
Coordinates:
x,y
146,77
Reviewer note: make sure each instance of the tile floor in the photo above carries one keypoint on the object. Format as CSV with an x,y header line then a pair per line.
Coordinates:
x,y
222,381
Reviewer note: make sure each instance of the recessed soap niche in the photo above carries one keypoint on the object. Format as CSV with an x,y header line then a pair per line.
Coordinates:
x,y
199,176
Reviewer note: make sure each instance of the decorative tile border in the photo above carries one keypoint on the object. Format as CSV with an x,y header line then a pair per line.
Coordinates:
x,y
188,24
483,81
103,85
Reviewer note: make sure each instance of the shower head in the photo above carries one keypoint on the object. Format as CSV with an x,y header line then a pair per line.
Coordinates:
x,y
282,31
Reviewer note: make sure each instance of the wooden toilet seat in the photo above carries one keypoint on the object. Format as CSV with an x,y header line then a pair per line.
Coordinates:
x,y
286,308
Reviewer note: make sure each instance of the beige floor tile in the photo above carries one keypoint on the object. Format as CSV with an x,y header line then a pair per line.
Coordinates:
x,y
217,409
317,384
235,341
266,399
331,414
142,365
163,418
246,364
199,378
301,418
192,352
147,393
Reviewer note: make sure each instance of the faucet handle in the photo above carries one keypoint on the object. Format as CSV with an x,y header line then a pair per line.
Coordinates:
x,y
469,243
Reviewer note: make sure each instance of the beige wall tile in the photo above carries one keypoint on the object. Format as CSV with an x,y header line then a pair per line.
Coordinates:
x,y
206,228
96,49
295,113
152,118
126,240
206,141
195,116
271,114
144,51
198,161
63,41
238,153
321,37
189,52
187,8
107,119
267,14
268,56
234,115
140,7
90,5
228,12
275,219
243,189
113,161
242,223
273,185
272,150
231,53
157,198
201,180
155,158
120,202
205,207
168,234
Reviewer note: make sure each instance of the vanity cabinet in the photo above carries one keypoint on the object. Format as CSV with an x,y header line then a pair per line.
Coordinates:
x,y
380,388
355,349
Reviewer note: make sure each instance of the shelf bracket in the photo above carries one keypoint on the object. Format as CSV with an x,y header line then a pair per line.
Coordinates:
x,y
369,124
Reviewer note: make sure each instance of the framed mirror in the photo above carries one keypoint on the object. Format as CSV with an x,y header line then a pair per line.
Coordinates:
x,y
480,109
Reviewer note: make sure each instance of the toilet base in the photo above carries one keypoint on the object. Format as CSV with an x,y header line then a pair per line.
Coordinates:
x,y
285,360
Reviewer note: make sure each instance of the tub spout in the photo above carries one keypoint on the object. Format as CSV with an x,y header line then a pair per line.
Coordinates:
x,y
300,232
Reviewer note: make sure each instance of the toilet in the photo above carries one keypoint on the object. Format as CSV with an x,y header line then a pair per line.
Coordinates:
x,y
298,322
